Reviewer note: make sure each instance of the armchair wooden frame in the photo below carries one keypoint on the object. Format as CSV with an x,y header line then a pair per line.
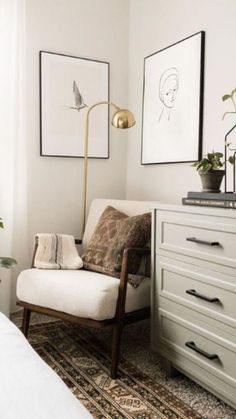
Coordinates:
x,y
121,318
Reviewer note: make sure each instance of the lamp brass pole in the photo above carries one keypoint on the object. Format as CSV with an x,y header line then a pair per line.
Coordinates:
x,y
122,118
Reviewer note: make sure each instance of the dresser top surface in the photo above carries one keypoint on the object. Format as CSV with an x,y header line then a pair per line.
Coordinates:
x,y
193,209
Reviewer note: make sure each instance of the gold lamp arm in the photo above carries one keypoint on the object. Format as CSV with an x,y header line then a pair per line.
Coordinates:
x,y
86,156
123,119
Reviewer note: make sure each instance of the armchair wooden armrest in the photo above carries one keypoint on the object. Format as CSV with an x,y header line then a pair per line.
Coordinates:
x,y
127,254
120,305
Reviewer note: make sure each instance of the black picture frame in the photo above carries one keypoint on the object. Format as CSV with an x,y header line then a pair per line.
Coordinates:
x,y
62,122
172,109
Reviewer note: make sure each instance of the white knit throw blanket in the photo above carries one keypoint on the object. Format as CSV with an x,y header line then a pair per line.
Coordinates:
x,y
56,251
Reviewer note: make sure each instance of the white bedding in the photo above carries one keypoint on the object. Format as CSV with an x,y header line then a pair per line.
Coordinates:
x,y
29,388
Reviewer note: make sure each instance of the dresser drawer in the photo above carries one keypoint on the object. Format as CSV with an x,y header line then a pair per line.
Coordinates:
x,y
208,292
205,349
212,239
193,298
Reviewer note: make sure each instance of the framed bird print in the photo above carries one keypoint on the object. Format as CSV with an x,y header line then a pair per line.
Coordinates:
x,y
68,87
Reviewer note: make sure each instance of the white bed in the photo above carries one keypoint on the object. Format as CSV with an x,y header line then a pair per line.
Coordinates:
x,y
29,388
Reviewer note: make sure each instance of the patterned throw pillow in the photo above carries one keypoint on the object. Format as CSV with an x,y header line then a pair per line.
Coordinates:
x,y
114,232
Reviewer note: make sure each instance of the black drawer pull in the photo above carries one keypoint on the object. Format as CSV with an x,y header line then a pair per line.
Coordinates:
x,y
195,240
202,297
195,348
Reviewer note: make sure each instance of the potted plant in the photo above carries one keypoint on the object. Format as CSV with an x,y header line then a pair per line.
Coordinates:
x,y
210,170
6,262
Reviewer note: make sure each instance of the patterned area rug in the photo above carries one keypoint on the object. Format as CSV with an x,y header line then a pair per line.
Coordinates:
x,y
83,364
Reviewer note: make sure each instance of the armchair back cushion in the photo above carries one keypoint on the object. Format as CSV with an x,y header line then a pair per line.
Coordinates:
x,y
98,206
114,232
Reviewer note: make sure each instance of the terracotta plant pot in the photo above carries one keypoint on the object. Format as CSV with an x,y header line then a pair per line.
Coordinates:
x,y
211,180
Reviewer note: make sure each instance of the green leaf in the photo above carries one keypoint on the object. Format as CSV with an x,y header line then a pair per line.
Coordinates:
x,y
226,97
6,262
201,164
206,169
210,156
218,154
233,91
218,166
231,159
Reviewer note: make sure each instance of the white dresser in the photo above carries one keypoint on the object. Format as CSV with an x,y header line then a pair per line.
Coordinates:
x,y
194,294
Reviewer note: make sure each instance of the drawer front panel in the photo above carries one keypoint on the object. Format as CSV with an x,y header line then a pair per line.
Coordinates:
x,y
198,237
199,373
205,349
211,293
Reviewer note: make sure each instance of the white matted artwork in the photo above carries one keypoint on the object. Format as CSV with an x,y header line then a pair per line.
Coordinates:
x,y
173,102
68,87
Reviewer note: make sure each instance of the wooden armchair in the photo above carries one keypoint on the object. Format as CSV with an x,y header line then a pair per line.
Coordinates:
x,y
94,299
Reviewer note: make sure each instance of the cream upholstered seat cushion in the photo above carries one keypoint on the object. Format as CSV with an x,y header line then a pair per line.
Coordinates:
x,y
80,293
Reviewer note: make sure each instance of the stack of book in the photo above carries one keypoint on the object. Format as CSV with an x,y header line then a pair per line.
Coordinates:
x,y
211,199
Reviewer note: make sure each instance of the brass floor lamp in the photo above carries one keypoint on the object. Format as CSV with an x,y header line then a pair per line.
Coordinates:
x,y
122,118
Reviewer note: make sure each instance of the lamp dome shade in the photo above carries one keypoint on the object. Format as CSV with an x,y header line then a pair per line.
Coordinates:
x,y
123,119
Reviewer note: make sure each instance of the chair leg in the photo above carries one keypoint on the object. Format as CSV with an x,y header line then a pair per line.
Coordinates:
x,y
115,350
26,321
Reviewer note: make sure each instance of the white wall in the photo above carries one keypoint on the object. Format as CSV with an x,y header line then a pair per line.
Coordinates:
x,y
96,29
92,29
101,29
156,24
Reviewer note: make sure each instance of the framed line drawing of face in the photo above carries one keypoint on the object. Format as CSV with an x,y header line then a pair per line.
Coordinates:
x,y
168,88
173,103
